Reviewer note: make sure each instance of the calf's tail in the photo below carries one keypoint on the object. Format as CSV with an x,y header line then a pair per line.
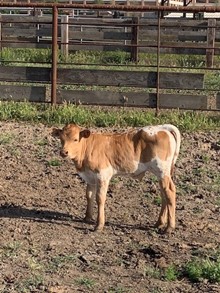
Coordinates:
x,y
176,133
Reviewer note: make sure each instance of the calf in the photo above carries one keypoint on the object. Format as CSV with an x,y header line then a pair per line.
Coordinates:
x,y
99,156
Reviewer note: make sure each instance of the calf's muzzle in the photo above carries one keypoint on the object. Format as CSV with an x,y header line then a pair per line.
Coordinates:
x,y
63,153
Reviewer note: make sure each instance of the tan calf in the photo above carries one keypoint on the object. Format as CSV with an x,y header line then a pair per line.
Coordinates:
x,y
99,156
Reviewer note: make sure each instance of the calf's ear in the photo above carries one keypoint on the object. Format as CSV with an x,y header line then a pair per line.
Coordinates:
x,y
56,132
85,133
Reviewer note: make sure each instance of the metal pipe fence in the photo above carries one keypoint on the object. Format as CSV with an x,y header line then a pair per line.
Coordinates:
x,y
135,26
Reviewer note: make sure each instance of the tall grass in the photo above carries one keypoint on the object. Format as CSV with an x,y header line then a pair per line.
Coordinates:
x,y
14,55
105,116
10,56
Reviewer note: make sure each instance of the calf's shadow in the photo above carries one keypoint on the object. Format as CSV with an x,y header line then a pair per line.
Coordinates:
x,y
15,211
54,217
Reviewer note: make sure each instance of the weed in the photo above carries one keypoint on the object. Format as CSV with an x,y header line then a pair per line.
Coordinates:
x,y
197,210
115,180
54,162
186,188
153,178
34,265
41,142
15,152
157,201
30,284
152,272
198,171
11,249
60,261
190,61
205,158
117,57
82,57
217,202
171,273
6,138
88,283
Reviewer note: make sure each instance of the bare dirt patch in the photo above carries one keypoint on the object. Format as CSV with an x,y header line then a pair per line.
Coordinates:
x,y
46,247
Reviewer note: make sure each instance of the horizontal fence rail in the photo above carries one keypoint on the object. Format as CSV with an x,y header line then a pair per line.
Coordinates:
x,y
157,88
105,78
182,37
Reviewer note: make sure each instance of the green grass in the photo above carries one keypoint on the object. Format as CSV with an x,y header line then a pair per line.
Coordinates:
x,y
106,117
98,58
203,269
9,55
205,266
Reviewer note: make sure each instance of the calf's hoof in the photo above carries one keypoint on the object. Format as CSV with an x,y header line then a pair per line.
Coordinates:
x,y
98,228
88,220
159,225
169,230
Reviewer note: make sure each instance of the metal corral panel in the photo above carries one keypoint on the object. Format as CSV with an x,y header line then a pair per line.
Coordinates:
x,y
190,15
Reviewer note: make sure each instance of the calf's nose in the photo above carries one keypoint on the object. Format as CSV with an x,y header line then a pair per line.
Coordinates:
x,y
63,153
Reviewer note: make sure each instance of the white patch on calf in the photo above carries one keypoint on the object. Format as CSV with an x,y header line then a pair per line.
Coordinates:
x,y
152,130
156,166
92,177
106,174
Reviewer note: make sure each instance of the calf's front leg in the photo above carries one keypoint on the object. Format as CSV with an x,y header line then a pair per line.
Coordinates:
x,y
90,192
102,188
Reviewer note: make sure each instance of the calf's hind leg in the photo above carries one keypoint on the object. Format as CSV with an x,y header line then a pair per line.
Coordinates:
x,y
162,219
168,192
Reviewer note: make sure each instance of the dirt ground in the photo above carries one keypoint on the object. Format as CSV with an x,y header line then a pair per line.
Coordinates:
x,y
46,247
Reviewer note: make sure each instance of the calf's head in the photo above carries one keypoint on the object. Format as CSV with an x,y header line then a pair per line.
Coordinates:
x,y
71,139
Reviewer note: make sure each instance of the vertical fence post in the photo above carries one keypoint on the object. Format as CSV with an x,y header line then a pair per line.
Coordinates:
x,y
158,63
210,52
84,3
134,40
1,33
142,4
54,56
65,35
127,14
